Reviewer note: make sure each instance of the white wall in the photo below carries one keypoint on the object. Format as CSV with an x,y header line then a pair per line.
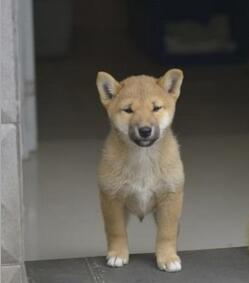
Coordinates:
x,y
27,83
12,263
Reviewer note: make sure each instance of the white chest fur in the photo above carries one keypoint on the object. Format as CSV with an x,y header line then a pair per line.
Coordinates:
x,y
142,175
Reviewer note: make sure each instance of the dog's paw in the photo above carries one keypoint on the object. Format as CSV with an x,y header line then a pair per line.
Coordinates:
x,y
171,264
116,261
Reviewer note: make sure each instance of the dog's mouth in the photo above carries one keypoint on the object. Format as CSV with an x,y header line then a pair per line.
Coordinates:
x,y
144,136
144,142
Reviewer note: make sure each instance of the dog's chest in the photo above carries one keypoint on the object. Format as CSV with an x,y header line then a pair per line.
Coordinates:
x,y
142,181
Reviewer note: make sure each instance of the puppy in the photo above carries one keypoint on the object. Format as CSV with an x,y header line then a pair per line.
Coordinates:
x,y
141,169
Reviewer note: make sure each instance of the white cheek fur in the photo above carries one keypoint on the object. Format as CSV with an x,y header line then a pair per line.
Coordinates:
x,y
122,127
165,121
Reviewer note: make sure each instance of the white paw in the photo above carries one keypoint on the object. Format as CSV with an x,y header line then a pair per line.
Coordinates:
x,y
173,266
116,261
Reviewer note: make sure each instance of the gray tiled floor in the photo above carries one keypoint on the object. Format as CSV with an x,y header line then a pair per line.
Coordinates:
x,y
210,266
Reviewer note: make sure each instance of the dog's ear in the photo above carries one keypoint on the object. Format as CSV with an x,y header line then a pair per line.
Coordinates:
x,y
107,86
171,82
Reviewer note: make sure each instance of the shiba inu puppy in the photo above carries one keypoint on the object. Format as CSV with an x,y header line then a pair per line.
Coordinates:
x,y
141,169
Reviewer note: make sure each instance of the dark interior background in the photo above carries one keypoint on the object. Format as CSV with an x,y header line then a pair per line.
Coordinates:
x,y
75,39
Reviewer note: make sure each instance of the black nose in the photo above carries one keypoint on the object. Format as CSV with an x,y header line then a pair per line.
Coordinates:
x,y
144,132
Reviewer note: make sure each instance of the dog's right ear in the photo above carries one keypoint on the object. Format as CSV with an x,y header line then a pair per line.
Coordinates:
x,y
107,86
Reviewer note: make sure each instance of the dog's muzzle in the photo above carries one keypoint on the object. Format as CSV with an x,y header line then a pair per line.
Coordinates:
x,y
144,136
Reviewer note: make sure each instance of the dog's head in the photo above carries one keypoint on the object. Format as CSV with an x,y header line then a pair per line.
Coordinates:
x,y
141,108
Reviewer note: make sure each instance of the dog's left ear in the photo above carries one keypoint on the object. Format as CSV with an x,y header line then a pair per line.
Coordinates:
x,y
171,82
107,86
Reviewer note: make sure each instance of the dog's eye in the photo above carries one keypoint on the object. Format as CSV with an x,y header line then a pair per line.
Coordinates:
x,y
128,110
156,108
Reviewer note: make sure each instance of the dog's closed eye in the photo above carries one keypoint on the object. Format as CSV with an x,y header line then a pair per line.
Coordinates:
x,y
128,110
156,108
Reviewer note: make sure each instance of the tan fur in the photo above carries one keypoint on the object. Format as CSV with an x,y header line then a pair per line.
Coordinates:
x,y
114,217
167,216
141,179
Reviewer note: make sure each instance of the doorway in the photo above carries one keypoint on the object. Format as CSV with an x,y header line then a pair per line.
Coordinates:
x,y
76,39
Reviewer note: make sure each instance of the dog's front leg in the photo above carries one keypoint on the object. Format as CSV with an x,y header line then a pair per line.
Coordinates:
x,y
168,214
115,227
